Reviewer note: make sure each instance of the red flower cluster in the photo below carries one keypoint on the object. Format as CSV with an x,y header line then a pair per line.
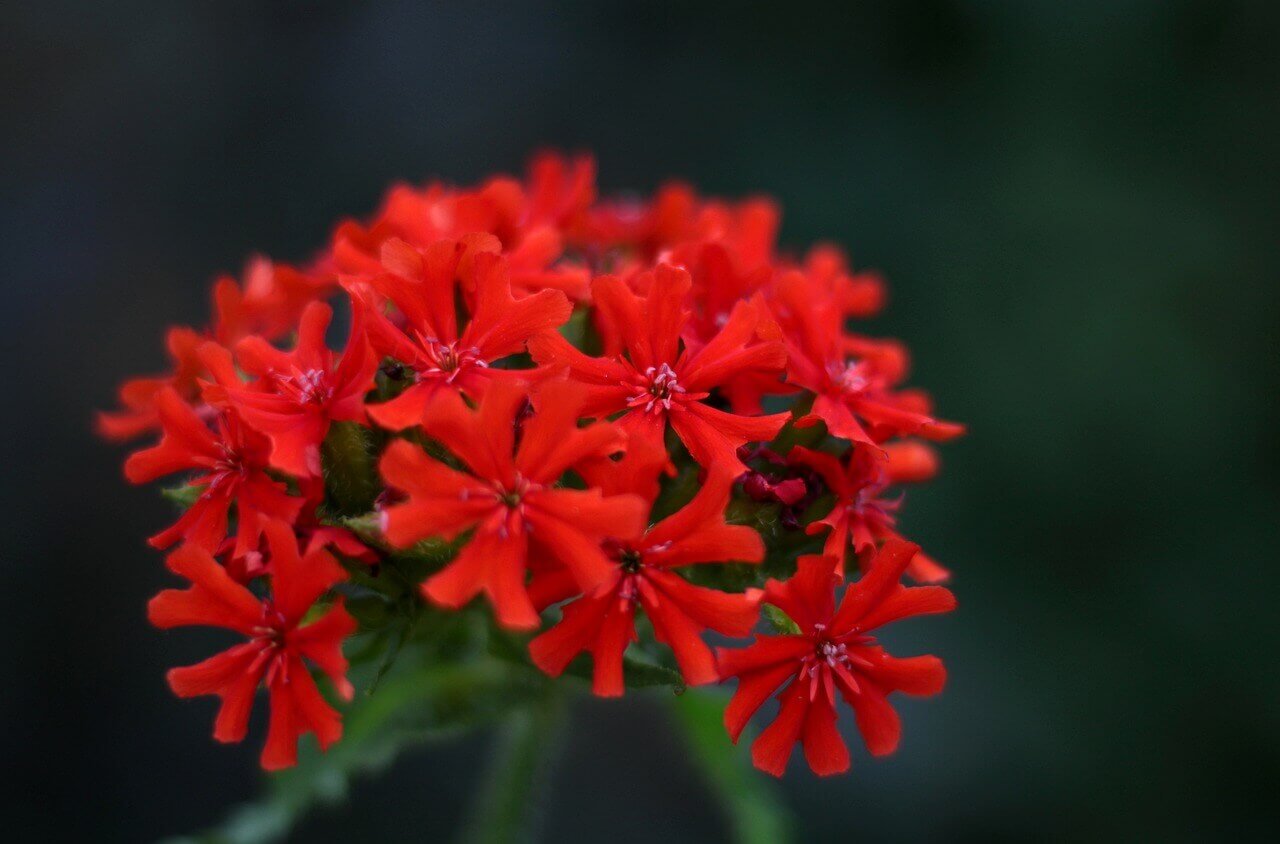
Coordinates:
x,y
608,411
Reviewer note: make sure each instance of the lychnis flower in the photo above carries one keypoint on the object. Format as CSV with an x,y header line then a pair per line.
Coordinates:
x,y
279,645
832,656
507,496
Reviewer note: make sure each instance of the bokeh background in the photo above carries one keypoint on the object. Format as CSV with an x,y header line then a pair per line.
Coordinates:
x,y
1076,205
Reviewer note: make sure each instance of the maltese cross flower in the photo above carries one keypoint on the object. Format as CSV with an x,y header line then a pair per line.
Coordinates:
x,y
656,382
442,357
603,620
138,414
856,398
861,517
278,643
231,464
300,393
509,499
833,655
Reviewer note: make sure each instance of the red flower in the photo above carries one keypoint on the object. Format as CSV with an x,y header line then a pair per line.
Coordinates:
x,y
269,303
856,295
278,643
657,382
232,464
524,223
138,395
603,620
860,517
856,398
301,392
424,286
510,501
833,653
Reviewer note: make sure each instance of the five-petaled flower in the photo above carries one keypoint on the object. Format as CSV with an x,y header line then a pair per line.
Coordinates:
x,y
230,463
832,654
602,621
298,394
581,406
853,380
278,648
442,356
507,496
656,381
861,517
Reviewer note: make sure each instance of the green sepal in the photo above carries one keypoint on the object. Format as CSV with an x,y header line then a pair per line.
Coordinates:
x,y
183,495
779,620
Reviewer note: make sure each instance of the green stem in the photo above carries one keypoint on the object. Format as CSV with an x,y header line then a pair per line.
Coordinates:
x,y
507,810
350,475
756,814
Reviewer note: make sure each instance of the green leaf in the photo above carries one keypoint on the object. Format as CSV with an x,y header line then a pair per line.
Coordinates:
x,y
752,805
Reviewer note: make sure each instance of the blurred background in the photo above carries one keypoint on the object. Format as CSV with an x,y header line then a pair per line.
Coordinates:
x,y
1076,205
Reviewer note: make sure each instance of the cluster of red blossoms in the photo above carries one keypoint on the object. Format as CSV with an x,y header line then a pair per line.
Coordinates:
x,y
602,407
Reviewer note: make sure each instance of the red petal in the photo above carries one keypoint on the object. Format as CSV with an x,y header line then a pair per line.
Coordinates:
x,y
678,632
552,441
408,409
502,324
615,633
620,309
772,748
824,749
828,467
713,436
907,601
213,599
882,578
764,652
296,583
321,642
186,442
911,462
730,613
754,688
553,650
664,315
482,439
918,675
877,721
808,597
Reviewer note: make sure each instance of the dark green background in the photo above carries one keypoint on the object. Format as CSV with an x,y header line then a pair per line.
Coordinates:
x,y
1076,205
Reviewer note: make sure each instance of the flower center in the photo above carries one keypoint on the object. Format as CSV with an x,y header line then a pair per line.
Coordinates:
x,y
659,389
310,387
850,377
512,496
448,360
630,561
269,635
832,653
227,468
